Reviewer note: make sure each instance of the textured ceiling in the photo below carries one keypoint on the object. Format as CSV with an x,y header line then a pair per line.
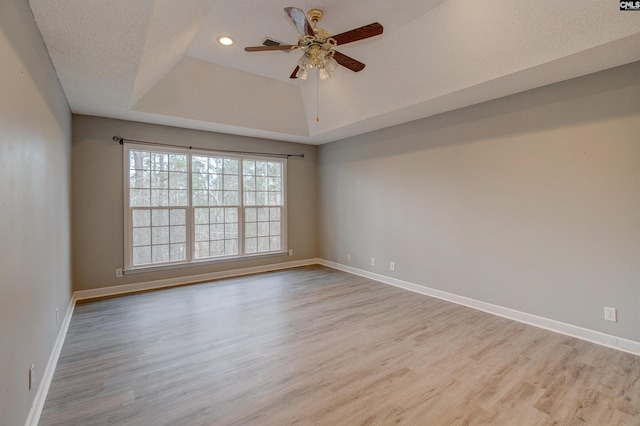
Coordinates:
x,y
158,61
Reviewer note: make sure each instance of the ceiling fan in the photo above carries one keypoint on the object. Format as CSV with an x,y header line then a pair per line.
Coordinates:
x,y
318,44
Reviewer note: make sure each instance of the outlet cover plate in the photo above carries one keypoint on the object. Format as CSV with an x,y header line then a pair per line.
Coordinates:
x,y
610,314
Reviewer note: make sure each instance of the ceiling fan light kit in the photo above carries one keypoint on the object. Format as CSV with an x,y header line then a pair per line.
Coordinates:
x,y
317,44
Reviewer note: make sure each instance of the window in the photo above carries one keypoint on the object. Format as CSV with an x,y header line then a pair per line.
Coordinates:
x,y
183,207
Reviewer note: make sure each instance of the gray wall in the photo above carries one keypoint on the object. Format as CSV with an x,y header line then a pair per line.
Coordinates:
x,y
35,147
529,202
98,217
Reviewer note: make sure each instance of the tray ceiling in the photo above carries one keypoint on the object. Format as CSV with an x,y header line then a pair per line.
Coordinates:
x,y
158,61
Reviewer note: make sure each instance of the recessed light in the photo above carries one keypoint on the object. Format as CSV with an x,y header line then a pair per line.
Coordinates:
x,y
225,40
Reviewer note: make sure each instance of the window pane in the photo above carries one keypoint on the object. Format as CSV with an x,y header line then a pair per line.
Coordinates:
x,y
275,243
216,248
160,254
160,180
178,162
139,160
249,167
215,198
250,198
249,183
160,235
217,215
199,164
178,180
215,182
139,197
178,252
274,213
251,245
216,232
178,234
251,229
230,215
141,255
178,198
178,216
263,243
231,198
251,215
215,165
201,250
159,197
275,169
274,228
230,247
200,198
261,184
230,166
201,215
141,218
275,184
202,233
230,231
230,182
141,236
159,217
139,179
199,181
263,229
159,161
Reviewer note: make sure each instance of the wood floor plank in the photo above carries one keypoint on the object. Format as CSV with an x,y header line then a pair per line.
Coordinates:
x,y
315,346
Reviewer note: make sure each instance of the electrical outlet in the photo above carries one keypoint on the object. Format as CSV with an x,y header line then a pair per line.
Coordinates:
x,y
291,252
349,257
392,266
373,261
57,316
118,273
31,376
610,314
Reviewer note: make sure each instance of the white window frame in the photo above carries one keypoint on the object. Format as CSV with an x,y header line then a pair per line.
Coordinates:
x,y
190,209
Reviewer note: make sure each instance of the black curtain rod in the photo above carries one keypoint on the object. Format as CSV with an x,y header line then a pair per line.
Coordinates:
x,y
121,141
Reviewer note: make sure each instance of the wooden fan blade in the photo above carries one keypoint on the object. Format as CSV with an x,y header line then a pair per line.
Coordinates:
x,y
265,48
299,19
348,62
294,74
359,33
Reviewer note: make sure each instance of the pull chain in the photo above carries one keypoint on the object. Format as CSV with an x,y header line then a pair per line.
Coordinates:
x,y
317,95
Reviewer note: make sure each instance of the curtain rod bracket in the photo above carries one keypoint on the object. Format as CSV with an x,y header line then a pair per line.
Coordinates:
x,y
118,139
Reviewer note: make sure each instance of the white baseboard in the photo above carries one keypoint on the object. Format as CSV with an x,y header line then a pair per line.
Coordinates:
x,y
43,389
171,282
592,336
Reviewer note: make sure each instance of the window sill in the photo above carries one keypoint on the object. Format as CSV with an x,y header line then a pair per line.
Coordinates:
x,y
143,269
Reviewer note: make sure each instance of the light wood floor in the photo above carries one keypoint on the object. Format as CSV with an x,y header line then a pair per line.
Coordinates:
x,y
315,346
